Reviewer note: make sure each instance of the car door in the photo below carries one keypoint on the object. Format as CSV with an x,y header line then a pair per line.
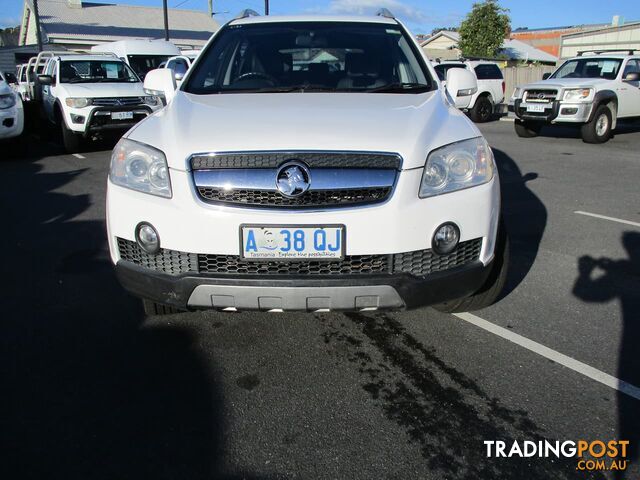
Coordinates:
x,y
48,91
629,91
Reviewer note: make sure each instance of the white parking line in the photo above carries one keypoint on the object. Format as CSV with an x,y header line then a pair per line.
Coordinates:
x,y
604,217
575,365
77,155
507,119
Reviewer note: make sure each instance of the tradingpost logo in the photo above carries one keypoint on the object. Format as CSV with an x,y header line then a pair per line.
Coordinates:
x,y
594,455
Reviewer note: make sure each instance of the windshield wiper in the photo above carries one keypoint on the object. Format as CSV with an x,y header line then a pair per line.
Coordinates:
x,y
400,88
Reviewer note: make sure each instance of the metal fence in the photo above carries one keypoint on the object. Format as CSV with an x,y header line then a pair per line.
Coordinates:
x,y
514,76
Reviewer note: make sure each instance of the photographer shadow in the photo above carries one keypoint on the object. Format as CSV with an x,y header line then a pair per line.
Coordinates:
x,y
619,280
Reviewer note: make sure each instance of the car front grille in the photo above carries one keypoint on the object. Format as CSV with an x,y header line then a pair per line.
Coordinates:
x,y
540,96
425,262
330,179
116,101
168,261
417,263
313,198
251,160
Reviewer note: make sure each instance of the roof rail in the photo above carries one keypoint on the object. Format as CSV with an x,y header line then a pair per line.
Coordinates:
x,y
246,13
630,51
384,12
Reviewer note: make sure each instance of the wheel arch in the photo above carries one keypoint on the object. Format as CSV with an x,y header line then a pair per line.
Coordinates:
x,y
610,100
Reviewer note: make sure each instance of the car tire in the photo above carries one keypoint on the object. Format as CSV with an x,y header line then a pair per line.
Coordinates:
x,y
526,129
72,141
153,308
598,130
493,285
482,111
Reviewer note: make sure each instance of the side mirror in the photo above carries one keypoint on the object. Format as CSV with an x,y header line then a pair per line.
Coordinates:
x,y
160,82
45,79
632,77
461,85
546,75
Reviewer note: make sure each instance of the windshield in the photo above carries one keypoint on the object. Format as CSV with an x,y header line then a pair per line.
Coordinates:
x,y
143,64
306,56
606,68
93,71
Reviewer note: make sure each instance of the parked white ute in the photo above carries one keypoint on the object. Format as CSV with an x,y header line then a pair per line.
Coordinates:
x,y
11,111
307,163
590,91
489,99
89,95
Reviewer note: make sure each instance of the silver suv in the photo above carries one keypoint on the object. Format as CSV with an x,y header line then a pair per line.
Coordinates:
x,y
592,91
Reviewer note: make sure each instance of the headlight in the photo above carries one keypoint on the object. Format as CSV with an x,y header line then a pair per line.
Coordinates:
x,y
457,166
140,167
151,100
517,93
577,95
78,102
7,101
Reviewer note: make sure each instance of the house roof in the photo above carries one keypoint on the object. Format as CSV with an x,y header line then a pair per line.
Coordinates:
x,y
514,49
517,50
455,36
109,22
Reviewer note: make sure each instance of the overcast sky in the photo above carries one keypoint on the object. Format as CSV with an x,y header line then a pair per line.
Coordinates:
x,y
420,15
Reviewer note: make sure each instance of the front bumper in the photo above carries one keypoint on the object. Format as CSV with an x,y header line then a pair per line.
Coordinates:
x,y
98,119
555,112
301,293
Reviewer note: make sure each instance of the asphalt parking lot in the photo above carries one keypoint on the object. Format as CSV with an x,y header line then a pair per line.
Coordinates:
x,y
92,389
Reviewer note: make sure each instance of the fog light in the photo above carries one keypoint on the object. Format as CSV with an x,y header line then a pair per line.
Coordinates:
x,y
148,238
446,238
569,111
77,118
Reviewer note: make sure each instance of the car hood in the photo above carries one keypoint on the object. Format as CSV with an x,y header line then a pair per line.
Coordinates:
x,y
568,83
408,124
97,90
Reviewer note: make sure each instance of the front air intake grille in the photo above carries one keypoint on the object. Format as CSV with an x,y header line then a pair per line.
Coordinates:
x,y
311,159
312,198
168,261
540,96
418,263
351,265
424,262
116,101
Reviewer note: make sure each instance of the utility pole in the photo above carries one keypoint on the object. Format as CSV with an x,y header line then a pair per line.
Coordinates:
x,y
37,16
211,8
266,7
166,20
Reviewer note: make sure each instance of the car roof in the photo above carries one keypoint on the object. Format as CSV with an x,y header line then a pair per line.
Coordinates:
x,y
314,18
88,57
618,56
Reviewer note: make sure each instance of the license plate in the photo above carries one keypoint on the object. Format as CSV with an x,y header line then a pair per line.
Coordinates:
x,y
292,242
121,115
535,108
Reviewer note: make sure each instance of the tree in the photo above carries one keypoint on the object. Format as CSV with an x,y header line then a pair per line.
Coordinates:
x,y
484,30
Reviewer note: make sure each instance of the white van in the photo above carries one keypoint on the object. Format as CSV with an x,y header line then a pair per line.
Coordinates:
x,y
140,55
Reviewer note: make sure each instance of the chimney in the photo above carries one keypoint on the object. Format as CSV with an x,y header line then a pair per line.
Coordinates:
x,y
74,3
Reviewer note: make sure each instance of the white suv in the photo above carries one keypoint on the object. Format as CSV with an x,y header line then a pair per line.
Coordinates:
x,y
88,95
11,111
591,91
307,163
489,99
